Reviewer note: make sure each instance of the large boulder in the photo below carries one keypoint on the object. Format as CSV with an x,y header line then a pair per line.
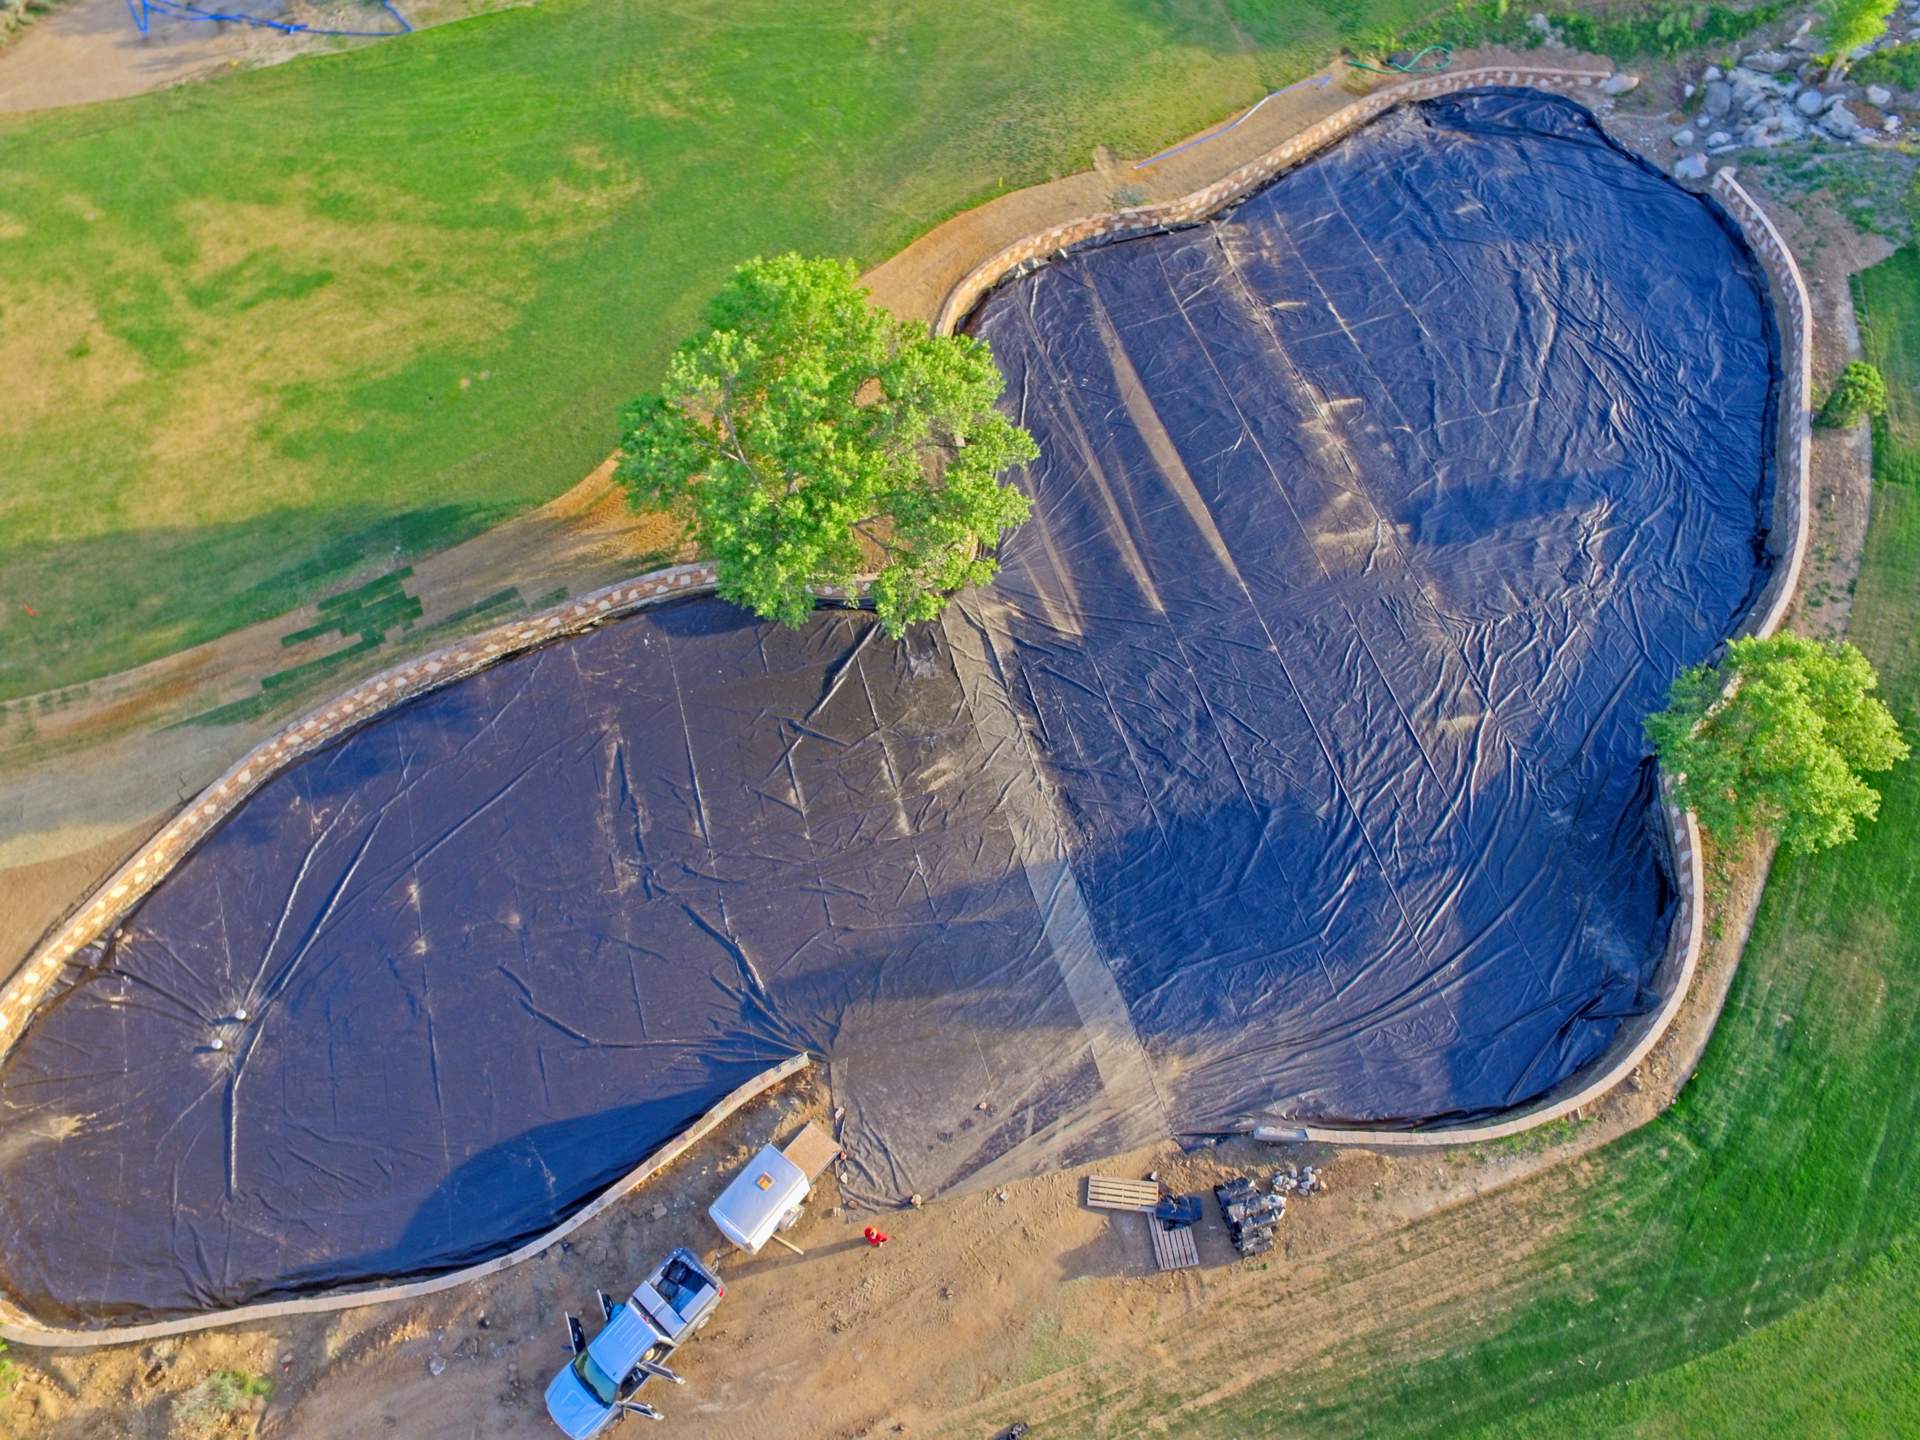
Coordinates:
x,y
1753,91
1879,95
1841,123
1768,62
1691,167
1719,98
1810,101
1618,83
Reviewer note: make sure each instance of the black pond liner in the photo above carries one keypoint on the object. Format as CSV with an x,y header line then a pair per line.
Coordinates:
x,y
1292,769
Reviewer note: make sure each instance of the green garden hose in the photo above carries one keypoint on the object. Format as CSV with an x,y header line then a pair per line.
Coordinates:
x,y
1415,64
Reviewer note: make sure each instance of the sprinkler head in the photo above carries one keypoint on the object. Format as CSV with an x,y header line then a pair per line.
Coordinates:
x,y
241,1013
218,1043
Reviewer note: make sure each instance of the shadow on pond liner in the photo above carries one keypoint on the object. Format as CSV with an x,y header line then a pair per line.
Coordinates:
x,y
1291,770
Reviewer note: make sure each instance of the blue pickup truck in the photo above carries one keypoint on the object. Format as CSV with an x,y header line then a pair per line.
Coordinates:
x,y
599,1385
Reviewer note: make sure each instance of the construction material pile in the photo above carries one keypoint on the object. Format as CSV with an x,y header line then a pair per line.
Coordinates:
x,y
1251,1213
1300,1180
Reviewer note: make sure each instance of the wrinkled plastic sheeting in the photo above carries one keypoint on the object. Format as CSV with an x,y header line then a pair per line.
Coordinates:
x,y
1290,770
1370,521
495,948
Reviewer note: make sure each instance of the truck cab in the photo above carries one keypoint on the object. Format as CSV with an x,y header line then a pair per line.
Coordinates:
x,y
600,1384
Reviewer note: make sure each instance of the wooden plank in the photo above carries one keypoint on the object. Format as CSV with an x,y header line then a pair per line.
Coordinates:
x,y
813,1150
1174,1249
1106,1193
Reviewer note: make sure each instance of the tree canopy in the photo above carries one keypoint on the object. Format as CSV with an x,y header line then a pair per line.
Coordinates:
x,y
1859,391
1846,25
1776,736
806,437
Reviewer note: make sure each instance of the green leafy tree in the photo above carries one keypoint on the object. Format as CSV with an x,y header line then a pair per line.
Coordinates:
x,y
1858,393
1846,25
806,436
1775,737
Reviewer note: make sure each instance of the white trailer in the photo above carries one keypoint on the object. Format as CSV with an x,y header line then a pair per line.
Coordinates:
x,y
766,1197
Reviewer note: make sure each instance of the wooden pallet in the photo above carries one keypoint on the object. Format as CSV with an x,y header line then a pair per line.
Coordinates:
x,y
1174,1249
813,1150
1106,1193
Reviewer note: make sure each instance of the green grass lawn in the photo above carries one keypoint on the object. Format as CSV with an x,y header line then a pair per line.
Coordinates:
x,y
1888,299
1749,1263
266,332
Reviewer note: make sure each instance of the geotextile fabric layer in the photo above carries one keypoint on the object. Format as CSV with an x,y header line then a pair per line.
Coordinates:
x,y
1291,770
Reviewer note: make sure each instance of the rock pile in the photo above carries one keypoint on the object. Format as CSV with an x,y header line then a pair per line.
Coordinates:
x,y
1781,96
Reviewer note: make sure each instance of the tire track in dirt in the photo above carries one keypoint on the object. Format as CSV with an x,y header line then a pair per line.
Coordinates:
x,y
1395,1296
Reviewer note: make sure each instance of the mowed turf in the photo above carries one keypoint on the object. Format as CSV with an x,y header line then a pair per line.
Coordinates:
x,y
1749,1263
1888,299
271,330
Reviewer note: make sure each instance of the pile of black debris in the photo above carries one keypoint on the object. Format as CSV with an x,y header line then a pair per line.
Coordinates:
x,y
1250,1213
1177,1212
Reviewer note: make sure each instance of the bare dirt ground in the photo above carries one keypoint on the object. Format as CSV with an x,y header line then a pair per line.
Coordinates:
x,y
983,1309
90,50
86,50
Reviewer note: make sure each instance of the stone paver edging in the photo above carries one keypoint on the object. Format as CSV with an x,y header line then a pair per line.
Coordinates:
x,y
127,886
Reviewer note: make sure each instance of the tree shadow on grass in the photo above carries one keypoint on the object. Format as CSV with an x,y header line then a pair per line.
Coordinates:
x,y
71,611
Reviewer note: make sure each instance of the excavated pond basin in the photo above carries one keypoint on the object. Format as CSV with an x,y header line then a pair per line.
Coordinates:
x,y
1291,769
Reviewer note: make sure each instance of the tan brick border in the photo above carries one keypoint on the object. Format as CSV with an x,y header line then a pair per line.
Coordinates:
x,y
1202,204
1788,539
391,687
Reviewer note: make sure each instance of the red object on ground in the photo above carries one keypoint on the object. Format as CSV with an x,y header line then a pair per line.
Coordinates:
x,y
30,610
875,1237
